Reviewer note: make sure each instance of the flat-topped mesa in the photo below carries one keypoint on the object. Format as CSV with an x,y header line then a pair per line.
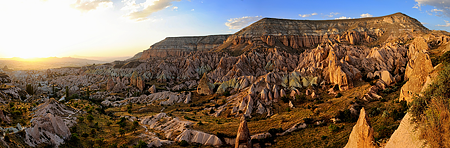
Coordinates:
x,y
309,33
180,46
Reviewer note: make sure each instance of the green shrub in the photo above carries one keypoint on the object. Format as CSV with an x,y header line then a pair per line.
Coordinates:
x,y
346,116
338,95
183,143
333,128
285,99
274,131
90,118
84,135
141,144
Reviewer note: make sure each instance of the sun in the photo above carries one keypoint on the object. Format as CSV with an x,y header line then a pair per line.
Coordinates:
x,y
34,29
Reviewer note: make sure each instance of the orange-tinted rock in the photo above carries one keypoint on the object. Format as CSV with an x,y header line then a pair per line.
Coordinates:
x,y
362,134
243,139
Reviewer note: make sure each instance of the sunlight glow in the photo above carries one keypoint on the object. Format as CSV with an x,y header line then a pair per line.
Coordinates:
x,y
43,28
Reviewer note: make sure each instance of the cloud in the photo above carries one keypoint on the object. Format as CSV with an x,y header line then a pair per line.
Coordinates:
x,y
441,7
141,11
366,15
332,14
237,23
447,24
88,5
307,15
192,9
175,8
342,17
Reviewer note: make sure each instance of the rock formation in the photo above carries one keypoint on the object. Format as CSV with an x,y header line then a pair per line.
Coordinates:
x,y
152,89
243,136
204,86
417,70
406,135
362,134
50,124
180,46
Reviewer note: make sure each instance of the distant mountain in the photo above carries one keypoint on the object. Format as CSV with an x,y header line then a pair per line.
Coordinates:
x,y
45,63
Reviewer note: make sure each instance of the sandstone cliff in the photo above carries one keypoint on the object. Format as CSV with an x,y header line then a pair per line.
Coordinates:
x,y
180,46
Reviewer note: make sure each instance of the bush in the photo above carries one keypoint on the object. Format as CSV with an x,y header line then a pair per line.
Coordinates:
x,y
285,99
346,116
141,144
226,93
183,143
274,131
90,118
84,135
333,128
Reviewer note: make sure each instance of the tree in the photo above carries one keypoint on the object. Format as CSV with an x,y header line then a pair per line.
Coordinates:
x,y
81,119
135,125
87,93
90,118
29,89
141,144
121,132
67,91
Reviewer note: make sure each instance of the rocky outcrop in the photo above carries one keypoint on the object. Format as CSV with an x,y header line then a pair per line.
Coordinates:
x,y
204,86
160,98
173,126
4,78
362,134
243,138
417,70
152,89
309,33
140,83
406,135
50,124
180,46
110,84
193,136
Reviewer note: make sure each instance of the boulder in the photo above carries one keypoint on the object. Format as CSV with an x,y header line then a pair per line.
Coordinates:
x,y
152,89
387,77
362,134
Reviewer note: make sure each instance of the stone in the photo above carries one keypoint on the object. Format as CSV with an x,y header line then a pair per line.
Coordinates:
x,y
204,86
140,83
152,89
406,135
362,134
417,70
291,105
110,84
387,77
243,138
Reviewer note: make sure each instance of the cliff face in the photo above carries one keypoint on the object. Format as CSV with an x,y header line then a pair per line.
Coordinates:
x,y
180,46
292,35
308,33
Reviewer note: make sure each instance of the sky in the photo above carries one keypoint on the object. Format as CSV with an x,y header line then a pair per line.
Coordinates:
x,y
121,28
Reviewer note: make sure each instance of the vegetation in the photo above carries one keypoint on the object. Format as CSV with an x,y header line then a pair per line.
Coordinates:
x,y
432,109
